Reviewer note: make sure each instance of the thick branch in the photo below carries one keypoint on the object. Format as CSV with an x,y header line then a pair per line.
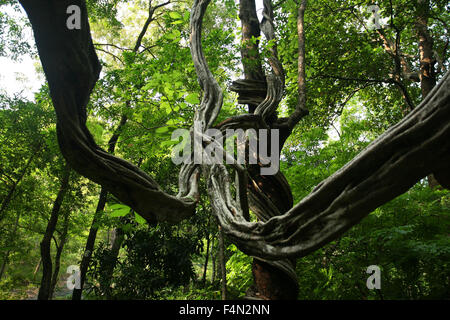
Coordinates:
x,y
72,69
387,168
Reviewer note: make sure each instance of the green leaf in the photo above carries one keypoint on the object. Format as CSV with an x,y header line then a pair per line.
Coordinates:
x,y
139,219
192,98
175,15
169,143
119,210
162,130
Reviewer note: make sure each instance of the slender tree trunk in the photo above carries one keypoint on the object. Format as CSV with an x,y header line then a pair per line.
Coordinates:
x,y
113,256
45,288
38,266
117,240
90,243
4,263
213,262
205,267
59,250
222,263
427,61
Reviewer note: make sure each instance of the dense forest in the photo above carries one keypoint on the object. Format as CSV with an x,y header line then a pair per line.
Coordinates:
x,y
355,96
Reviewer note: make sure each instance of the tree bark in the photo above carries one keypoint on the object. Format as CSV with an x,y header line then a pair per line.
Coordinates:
x,y
427,61
213,262
72,68
59,250
250,41
36,270
90,243
45,288
205,267
418,145
113,256
427,73
269,282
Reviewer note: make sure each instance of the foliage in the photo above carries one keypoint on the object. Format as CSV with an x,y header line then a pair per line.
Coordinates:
x,y
155,258
156,89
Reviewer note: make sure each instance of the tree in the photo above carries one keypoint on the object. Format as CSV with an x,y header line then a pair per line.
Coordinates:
x,y
412,149
45,290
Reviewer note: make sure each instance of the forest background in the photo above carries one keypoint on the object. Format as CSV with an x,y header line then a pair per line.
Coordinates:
x,y
360,80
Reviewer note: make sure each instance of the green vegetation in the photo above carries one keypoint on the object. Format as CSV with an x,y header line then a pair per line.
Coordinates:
x,y
144,94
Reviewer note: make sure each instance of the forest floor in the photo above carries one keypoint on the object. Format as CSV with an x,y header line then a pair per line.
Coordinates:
x,y
61,292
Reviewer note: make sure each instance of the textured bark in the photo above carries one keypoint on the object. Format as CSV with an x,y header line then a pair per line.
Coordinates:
x,y
387,168
272,280
272,284
427,74
427,61
46,280
250,31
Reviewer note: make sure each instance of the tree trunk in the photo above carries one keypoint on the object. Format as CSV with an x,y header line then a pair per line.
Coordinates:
x,y
427,60
90,243
113,256
59,250
205,267
36,270
45,288
269,282
222,264
250,30
213,262
116,243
